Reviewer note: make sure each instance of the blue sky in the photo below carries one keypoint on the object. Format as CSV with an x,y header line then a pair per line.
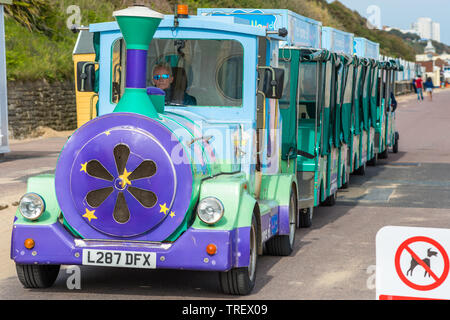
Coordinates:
x,y
402,13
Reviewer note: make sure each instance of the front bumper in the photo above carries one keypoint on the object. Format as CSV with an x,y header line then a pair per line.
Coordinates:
x,y
55,245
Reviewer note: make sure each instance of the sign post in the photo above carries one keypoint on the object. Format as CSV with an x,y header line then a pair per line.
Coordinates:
x,y
412,263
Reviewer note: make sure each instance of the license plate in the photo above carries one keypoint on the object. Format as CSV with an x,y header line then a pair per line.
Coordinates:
x,y
113,258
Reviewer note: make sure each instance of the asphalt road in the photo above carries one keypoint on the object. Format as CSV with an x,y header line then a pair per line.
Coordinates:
x,y
334,259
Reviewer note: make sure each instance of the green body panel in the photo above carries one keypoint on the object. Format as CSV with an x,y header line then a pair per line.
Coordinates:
x,y
158,102
373,98
289,166
357,115
137,101
346,122
336,111
43,185
326,132
238,204
277,188
306,137
365,112
319,177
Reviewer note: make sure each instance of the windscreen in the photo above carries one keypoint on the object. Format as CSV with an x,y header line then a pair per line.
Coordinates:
x,y
192,72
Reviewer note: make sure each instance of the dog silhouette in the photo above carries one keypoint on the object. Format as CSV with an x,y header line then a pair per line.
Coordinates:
x,y
427,261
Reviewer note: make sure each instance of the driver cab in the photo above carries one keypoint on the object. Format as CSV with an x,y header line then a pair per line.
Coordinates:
x,y
192,72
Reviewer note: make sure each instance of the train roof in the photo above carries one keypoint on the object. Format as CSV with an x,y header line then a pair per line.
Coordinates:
x,y
366,48
337,40
218,23
302,31
84,44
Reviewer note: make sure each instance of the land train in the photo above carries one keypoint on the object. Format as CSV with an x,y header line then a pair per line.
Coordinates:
x,y
260,123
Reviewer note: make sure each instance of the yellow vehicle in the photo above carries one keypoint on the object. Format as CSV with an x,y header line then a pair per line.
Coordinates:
x,y
84,54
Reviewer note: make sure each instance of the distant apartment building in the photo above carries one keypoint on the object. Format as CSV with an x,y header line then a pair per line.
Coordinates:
x,y
427,29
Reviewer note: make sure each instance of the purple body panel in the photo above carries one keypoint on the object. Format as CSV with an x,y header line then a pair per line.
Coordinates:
x,y
136,68
146,139
283,218
275,223
55,245
154,91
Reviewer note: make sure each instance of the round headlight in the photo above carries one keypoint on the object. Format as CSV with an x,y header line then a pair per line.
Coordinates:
x,y
210,210
31,206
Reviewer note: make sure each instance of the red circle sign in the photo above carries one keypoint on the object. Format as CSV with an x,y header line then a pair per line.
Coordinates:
x,y
438,280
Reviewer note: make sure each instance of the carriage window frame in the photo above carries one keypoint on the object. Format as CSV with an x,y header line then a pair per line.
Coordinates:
x,y
219,64
122,83
285,101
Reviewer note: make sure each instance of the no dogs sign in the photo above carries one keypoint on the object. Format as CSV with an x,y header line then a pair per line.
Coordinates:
x,y
412,263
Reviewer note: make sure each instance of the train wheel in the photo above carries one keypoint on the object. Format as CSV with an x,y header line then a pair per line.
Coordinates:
x,y
384,154
330,200
37,276
305,217
373,161
241,281
361,171
395,146
283,245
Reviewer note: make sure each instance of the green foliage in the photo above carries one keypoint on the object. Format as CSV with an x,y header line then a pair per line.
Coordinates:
x,y
39,44
31,55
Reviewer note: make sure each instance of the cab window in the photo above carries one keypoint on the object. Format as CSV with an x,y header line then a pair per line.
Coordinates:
x,y
191,72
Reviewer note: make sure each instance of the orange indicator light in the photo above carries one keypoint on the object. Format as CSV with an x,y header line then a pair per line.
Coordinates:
x,y
182,9
29,244
211,249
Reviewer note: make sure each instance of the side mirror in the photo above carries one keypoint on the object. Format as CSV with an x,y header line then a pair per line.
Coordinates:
x,y
86,76
272,82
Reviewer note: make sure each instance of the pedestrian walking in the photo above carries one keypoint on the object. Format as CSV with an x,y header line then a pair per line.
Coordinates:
x,y
419,86
428,85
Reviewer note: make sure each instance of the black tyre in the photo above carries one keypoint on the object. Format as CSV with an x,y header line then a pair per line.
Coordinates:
x,y
37,276
361,171
330,201
373,161
241,281
305,217
384,154
283,245
395,146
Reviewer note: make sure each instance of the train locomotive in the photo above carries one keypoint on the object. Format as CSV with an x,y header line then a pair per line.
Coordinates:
x,y
210,172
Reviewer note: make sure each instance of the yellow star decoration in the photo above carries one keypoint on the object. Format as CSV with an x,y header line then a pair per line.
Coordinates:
x,y
89,215
108,132
124,178
172,214
164,209
83,167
